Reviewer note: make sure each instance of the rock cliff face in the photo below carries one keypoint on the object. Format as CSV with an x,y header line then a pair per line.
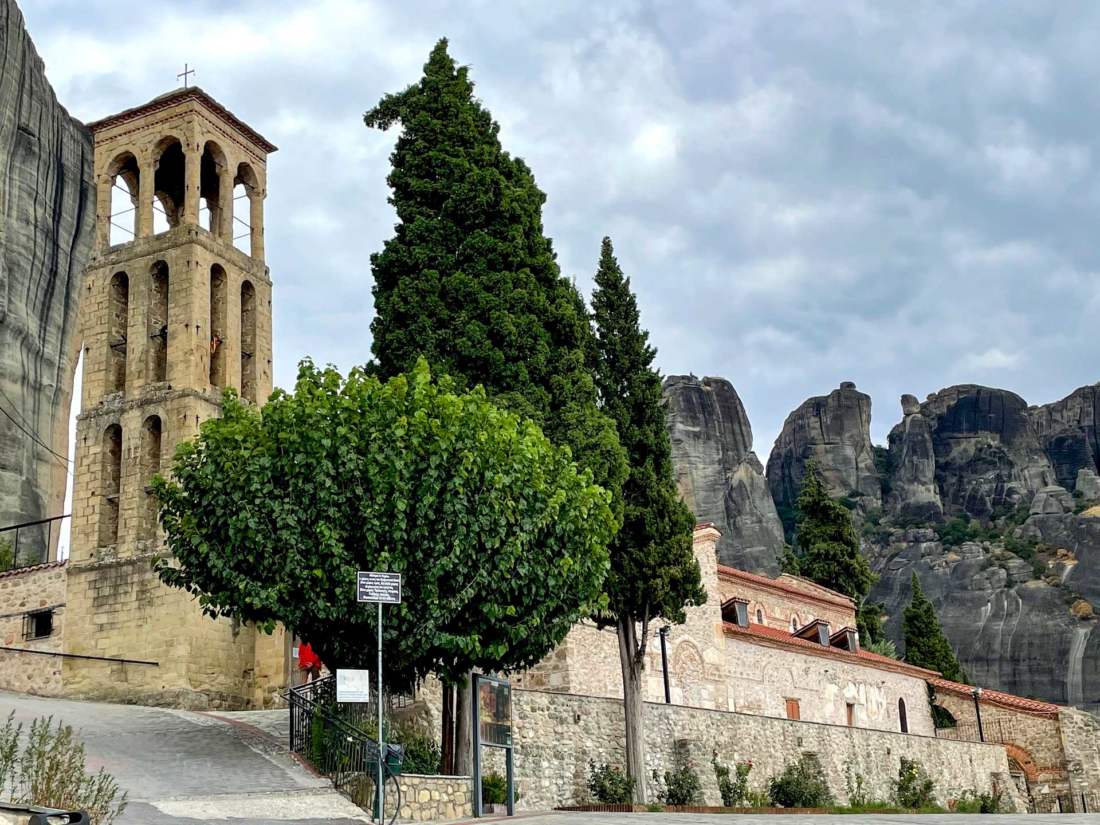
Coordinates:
x,y
912,480
1069,431
1011,630
718,474
833,430
47,214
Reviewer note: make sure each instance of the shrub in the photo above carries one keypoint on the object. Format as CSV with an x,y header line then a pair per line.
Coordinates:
x,y
801,785
680,787
7,555
610,784
422,754
734,791
958,531
978,803
757,799
914,788
50,771
494,789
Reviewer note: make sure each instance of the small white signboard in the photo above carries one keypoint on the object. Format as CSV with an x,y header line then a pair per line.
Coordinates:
x,y
353,685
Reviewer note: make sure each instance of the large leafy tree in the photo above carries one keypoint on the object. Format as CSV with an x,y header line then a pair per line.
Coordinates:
x,y
925,643
499,537
470,281
653,569
827,550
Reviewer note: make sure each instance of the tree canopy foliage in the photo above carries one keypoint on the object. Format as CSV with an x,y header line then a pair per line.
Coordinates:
x,y
653,569
470,281
500,538
925,643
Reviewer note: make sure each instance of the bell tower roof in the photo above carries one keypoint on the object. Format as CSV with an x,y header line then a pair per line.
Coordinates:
x,y
176,97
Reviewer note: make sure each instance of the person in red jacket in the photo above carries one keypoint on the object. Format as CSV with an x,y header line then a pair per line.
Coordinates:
x,y
308,662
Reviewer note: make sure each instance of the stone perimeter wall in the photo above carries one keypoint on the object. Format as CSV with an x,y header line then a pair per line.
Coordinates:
x,y
556,735
23,591
425,798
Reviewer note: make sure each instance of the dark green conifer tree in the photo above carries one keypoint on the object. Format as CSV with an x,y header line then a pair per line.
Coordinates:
x,y
925,643
470,281
654,573
827,550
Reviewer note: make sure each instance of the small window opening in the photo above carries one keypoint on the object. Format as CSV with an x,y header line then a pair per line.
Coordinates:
x,y
850,711
37,625
759,616
794,712
903,717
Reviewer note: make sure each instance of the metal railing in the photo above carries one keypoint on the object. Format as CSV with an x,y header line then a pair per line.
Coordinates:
x,y
332,737
997,731
29,542
1067,803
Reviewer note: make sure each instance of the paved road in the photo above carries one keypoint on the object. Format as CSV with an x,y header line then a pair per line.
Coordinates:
x,y
183,768
796,819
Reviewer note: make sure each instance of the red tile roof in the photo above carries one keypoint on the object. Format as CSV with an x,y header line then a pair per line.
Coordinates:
x,y
833,598
771,635
996,697
175,96
32,568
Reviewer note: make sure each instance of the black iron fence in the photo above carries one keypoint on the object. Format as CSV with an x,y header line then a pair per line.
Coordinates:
x,y
1067,803
332,736
998,731
28,543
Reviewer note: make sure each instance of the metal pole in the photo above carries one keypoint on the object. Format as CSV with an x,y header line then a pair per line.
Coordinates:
x,y
977,694
381,748
663,633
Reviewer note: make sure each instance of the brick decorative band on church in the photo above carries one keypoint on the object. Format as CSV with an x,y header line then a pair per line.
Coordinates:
x,y
175,306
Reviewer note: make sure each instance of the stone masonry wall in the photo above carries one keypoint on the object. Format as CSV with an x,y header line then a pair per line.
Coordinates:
x,y
1034,742
763,678
426,798
556,735
22,591
1081,740
778,607
587,662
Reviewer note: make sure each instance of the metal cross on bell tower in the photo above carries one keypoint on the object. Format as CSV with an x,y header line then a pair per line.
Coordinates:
x,y
183,75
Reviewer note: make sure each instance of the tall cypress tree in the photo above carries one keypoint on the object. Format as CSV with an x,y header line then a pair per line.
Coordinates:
x,y
653,568
470,281
827,551
925,643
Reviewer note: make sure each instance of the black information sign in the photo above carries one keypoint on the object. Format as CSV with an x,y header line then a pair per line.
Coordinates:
x,y
382,588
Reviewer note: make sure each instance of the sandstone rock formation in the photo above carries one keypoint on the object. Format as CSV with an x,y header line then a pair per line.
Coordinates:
x,y
718,474
47,213
1088,484
835,431
1069,431
987,453
912,480
1011,630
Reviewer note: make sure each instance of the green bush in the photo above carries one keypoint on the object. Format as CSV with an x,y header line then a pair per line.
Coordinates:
x,y
422,754
734,791
46,767
801,785
494,789
680,787
7,555
914,788
978,803
958,531
757,799
609,784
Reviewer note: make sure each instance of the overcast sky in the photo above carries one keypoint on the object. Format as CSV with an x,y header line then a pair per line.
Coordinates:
x,y
902,195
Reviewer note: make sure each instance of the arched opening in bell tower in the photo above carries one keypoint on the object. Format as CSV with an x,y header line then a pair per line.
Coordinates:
x,y
248,341
150,466
118,312
158,323
213,179
125,177
218,321
245,193
110,481
169,184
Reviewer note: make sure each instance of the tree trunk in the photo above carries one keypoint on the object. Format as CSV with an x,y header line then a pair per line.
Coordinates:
x,y
448,737
463,729
633,667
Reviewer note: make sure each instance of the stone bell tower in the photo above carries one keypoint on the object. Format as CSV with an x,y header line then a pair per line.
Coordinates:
x,y
176,306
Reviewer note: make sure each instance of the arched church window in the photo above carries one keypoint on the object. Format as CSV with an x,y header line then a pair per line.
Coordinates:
x,y
125,177
903,718
212,179
169,184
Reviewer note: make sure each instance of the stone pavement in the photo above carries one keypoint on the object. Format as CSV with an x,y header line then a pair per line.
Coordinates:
x,y
801,819
183,768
